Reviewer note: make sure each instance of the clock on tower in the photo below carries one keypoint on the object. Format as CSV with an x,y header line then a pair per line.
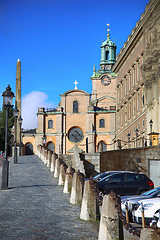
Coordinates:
x,y
105,79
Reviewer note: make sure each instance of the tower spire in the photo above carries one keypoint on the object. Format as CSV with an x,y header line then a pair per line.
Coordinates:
x,y
108,30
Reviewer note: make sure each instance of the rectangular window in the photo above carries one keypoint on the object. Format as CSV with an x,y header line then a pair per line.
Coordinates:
x,y
126,113
130,109
101,123
50,124
138,78
134,106
122,90
134,80
138,102
130,81
125,86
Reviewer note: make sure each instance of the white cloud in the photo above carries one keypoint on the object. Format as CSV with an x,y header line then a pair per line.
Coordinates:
x,y
30,104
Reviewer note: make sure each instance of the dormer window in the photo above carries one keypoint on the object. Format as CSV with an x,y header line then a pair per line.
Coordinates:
x,y
75,107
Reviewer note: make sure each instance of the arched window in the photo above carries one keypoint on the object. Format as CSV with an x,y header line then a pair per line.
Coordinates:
x,y
102,146
101,123
75,107
107,55
51,146
50,124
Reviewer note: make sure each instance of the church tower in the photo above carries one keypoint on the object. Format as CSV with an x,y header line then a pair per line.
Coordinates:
x,y
108,54
103,80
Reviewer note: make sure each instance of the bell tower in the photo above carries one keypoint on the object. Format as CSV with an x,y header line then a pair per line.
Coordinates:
x,y
108,54
103,80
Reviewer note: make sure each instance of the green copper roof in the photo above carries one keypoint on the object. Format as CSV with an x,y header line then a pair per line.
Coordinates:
x,y
98,73
108,42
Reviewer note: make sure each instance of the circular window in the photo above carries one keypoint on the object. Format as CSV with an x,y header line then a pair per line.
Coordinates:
x,y
75,135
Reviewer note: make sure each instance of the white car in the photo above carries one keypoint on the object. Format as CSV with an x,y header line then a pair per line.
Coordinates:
x,y
132,201
151,207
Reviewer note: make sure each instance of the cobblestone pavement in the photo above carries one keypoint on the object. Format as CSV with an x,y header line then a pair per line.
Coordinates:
x,y
34,207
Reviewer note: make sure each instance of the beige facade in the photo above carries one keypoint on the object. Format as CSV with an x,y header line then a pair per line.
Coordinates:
x,y
137,85
95,134
87,120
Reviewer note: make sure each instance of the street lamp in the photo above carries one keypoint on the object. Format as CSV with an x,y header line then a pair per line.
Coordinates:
x,y
151,124
128,139
136,135
20,120
7,102
15,115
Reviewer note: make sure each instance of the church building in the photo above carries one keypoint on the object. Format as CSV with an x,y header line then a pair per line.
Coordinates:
x,y
87,120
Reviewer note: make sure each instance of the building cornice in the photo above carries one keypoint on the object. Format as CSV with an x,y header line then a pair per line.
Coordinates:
x,y
134,37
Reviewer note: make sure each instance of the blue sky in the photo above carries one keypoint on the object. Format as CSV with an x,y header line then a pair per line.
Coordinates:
x,y
58,42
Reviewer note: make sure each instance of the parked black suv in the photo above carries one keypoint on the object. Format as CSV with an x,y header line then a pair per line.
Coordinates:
x,y
125,183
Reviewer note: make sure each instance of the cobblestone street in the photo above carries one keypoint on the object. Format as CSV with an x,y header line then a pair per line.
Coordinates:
x,y
34,206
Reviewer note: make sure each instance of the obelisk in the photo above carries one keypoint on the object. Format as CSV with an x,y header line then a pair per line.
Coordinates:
x,y
18,96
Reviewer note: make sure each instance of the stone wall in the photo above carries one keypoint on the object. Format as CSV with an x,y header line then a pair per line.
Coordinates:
x,y
136,159
91,163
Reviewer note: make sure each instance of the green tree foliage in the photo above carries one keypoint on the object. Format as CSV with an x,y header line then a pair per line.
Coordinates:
x,y
3,126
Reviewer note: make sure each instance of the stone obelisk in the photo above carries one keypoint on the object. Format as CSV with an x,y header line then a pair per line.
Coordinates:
x,y
18,96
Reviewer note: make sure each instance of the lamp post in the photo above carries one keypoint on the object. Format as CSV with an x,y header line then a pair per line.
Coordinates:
x,y
136,135
151,124
7,102
15,115
129,140
20,120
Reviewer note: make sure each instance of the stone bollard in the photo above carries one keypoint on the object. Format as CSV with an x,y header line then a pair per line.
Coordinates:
x,y
1,169
149,234
77,188
49,159
43,154
68,180
53,160
57,168
62,175
90,207
38,151
43,158
110,224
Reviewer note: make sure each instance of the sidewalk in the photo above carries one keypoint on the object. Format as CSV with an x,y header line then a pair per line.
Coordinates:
x,y
34,207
